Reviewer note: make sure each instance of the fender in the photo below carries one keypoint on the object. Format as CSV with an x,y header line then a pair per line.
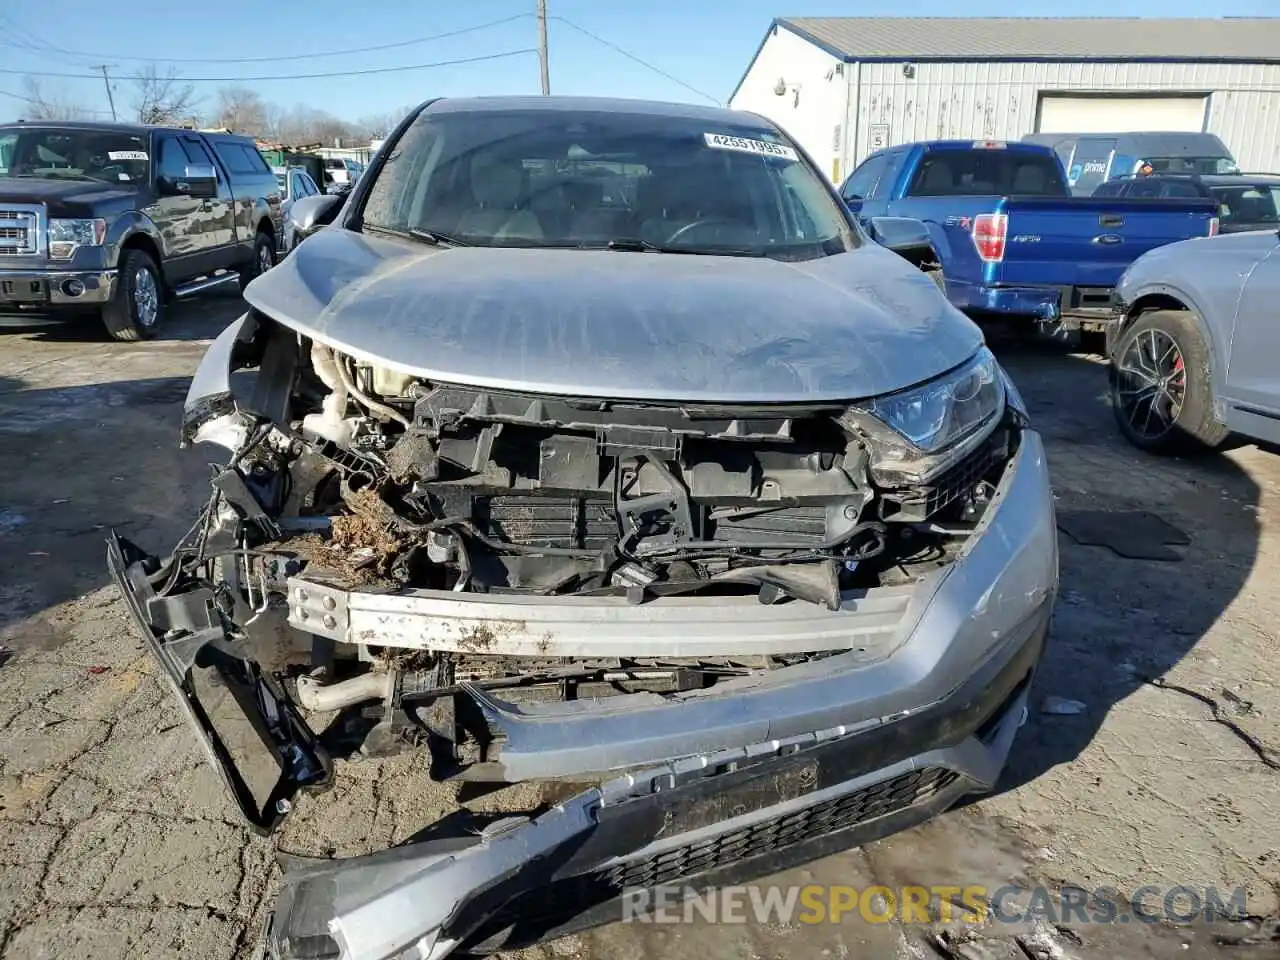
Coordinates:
x,y
263,210
130,224
1142,296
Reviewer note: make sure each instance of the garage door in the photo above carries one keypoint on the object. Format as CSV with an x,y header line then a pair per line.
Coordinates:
x,y
1060,114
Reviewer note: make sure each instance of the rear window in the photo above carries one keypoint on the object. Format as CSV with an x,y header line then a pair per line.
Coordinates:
x,y
976,173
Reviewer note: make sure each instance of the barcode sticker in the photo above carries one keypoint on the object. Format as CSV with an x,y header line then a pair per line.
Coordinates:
x,y
126,154
722,141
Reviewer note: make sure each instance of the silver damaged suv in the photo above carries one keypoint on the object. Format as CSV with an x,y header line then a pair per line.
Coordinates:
x,y
591,444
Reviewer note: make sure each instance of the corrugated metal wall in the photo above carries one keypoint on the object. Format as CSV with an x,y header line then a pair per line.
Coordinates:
x,y
998,100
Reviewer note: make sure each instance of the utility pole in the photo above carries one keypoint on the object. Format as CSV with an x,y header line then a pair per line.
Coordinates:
x,y
542,47
107,80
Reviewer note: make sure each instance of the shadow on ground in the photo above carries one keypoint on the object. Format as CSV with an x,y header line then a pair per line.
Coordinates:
x,y
1120,622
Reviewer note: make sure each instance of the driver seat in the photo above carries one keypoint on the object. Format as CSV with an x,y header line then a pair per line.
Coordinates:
x,y
499,188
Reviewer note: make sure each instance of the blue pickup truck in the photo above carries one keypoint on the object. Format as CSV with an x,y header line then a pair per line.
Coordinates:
x,y
1004,231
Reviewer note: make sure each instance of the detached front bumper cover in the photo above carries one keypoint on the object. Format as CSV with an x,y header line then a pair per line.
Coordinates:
x,y
702,820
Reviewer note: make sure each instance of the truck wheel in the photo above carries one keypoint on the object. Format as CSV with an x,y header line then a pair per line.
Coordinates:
x,y
1161,389
264,258
137,310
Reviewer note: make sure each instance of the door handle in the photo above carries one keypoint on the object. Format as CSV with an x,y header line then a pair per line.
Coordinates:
x,y
1111,220
206,206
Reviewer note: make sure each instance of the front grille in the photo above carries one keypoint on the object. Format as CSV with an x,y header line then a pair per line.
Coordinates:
x,y
786,524
780,832
547,521
19,232
556,902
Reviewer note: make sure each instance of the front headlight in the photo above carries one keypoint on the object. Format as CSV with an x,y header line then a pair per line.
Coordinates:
x,y
66,236
917,433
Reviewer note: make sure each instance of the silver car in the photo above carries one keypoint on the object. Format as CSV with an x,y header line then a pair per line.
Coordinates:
x,y
295,183
592,444
1194,345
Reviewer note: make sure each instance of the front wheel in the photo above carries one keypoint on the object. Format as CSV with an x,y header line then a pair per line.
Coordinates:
x,y
1161,388
137,310
264,258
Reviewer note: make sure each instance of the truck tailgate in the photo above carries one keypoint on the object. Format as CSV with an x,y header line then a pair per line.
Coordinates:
x,y
1087,241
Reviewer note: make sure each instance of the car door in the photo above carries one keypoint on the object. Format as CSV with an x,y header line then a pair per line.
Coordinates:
x,y
192,229
218,211
1253,361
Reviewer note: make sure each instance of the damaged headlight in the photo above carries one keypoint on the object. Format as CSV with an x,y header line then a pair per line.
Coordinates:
x,y
931,426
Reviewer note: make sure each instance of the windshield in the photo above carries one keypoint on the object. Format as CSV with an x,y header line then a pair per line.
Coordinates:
x,y
549,178
1200,165
50,154
1253,203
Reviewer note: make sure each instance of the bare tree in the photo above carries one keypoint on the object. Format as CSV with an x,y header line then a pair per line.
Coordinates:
x,y
241,110
160,98
378,125
47,104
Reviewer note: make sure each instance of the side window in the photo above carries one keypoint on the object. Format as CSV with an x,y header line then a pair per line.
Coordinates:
x,y
296,189
240,160
1177,188
196,153
173,160
863,181
1112,188
889,173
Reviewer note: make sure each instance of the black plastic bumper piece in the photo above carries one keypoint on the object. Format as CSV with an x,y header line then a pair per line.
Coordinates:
x,y
194,642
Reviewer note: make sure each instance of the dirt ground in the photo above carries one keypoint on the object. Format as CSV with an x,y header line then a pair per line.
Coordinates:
x,y
116,840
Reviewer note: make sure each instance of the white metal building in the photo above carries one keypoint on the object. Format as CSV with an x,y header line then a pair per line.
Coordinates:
x,y
846,86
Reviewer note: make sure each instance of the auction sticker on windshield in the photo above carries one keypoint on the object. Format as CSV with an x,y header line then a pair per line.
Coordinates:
x,y
126,154
722,141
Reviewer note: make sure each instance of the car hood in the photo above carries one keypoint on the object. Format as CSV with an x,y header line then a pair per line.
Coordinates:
x,y
620,324
65,198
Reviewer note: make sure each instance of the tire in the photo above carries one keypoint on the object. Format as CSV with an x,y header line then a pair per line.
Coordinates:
x,y
1165,352
137,311
264,258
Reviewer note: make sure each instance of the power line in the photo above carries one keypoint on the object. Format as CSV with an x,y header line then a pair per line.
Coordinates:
x,y
20,97
299,56
296,76
632,56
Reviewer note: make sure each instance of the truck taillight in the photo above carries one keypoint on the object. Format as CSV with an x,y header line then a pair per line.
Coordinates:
x,y
1213,226
989,232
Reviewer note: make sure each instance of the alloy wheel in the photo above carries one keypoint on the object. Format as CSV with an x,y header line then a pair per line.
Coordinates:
x,y
1151,384
146,297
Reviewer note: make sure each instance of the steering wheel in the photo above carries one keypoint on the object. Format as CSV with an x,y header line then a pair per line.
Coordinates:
x,y
704,222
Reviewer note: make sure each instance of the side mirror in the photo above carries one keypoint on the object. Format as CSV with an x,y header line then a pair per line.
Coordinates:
x,y
900,234
853,202
198,180
311,213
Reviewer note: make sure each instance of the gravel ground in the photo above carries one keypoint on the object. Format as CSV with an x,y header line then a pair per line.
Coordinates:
x,y
116,840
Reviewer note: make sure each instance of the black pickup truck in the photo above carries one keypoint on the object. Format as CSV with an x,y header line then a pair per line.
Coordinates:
x,y
118,220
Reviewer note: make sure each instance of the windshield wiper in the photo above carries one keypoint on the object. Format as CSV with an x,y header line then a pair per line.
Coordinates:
x,y
436,237
423,236
636,245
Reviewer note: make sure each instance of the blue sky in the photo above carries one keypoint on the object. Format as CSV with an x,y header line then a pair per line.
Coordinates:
x,y
704,43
